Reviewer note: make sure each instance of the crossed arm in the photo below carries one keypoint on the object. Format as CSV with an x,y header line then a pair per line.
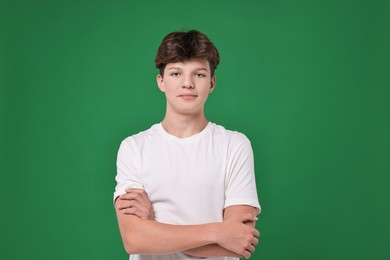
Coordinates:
x,y
141,234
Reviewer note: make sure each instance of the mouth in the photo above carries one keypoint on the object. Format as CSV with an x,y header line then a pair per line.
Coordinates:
x,y
187,96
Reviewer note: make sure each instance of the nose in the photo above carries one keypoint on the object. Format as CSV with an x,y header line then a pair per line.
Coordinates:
x,y
188,82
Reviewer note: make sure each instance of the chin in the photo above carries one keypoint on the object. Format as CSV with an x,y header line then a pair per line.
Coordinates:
x,y
189,112
190,109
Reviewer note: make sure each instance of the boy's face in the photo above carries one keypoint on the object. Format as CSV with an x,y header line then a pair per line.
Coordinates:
x,y
186,86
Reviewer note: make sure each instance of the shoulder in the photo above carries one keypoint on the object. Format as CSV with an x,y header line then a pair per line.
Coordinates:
x,y
233,138
138,139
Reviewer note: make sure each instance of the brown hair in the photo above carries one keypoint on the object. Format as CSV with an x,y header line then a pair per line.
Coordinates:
x,y
183,46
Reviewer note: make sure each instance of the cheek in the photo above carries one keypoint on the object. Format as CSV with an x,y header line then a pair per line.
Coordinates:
x,y
169,90
204,94
169,86
206,89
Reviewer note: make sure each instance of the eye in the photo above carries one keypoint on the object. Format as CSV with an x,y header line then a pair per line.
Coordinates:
x,y
175,74
200,75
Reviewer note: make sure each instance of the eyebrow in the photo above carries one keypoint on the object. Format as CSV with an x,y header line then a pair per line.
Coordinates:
x,y
178,68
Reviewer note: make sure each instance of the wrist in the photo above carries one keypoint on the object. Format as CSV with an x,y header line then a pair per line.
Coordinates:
x,y
213,234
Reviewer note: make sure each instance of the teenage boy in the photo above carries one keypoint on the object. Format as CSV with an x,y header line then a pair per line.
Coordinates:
x,y
186,187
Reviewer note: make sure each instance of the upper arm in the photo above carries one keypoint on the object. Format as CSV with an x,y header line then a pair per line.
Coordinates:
x,y
127,177
240,182
128,167
235,210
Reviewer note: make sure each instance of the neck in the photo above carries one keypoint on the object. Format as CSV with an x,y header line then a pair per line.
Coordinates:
x,y
183,126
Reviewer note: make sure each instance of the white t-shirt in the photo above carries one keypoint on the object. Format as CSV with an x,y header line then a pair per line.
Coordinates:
x,y
188,180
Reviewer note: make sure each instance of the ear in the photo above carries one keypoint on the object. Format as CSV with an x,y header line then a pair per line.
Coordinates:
x,y
212,83
160,83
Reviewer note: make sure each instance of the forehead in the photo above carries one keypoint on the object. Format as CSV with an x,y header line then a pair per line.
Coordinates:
x,y
189,64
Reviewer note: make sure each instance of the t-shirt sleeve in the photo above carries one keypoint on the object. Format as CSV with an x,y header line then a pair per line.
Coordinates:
x,y
128,165
241,183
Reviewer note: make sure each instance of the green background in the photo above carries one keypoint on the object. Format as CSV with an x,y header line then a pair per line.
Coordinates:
x,y
306,81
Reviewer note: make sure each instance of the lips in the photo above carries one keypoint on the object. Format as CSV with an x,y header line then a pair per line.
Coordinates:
x,y
187,96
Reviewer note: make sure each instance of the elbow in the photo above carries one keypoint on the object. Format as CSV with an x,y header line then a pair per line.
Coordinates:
x,y
133,234
131,246
131,250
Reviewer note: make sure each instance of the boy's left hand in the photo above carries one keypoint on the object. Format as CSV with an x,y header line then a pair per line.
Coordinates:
x,y
135,202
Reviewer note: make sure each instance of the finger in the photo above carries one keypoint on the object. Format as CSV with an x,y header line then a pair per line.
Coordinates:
x,y
134,211
251,248
125,204
144,195
247,217
247,254
138,194
254,241
139,212
128,196
142,198
130,211
138,199
135,190
130,203
250,223
133,196
256,233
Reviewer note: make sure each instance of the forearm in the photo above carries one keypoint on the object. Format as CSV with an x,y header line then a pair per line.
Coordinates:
x,y
150,237
211,250
228,238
